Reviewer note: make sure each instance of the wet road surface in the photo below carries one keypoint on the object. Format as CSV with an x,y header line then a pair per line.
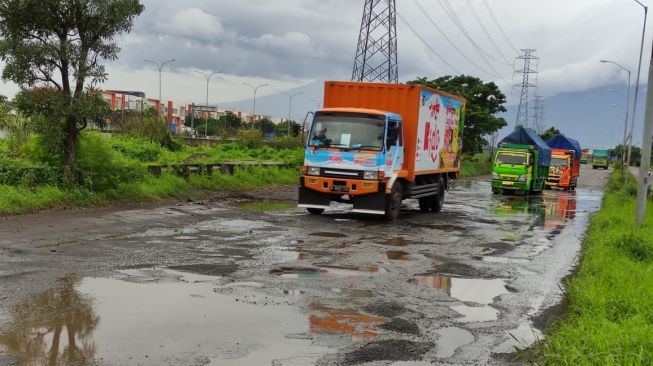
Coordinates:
x,y
238,282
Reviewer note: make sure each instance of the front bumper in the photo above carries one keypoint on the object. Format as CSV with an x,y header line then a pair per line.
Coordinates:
x,y
366,196
509,185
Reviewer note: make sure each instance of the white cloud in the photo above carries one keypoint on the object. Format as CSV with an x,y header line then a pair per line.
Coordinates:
x,y
193,23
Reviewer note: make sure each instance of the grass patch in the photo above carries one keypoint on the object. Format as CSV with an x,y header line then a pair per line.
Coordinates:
x,y
609,318
475,165
267,206
21,199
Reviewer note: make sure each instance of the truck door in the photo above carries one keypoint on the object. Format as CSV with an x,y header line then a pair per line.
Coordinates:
x,y
394,157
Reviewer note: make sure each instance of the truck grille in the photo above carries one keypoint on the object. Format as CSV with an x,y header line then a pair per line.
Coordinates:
x,y
341,173
509,177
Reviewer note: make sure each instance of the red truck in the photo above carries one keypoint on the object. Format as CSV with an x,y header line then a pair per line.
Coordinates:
x,y
565,163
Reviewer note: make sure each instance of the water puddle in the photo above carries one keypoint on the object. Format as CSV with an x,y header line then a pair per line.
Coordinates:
x,y
266,206
473,314
334,272
359,326
397,242
234,226
450,339
328,235
107,320
521,338
354,293
397,255
467,290
505,260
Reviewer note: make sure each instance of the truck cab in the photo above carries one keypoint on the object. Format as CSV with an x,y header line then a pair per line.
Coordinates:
x,y
513,168
350,152
562,172
600,159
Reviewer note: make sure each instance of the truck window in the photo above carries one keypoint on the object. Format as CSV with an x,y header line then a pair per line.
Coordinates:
x,y
512,159
559,162
394,134
347,131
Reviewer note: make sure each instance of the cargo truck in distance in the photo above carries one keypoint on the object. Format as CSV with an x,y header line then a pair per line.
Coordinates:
x,y
600,159
521,163
585,155
565,163
374,145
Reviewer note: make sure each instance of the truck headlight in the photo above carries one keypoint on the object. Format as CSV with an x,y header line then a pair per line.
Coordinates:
x,y
495,175
522,178
371,175
313,170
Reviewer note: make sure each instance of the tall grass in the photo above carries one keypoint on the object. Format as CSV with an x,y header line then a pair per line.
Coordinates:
x,y
475,165
21,200
609,319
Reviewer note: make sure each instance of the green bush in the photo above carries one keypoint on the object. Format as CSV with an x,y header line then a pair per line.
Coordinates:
x,y
475,165
100,166
136,148
250,138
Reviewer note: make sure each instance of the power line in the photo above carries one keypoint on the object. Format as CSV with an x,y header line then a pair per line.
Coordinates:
x,y
496,22
487,33
453,44
449,10
425,43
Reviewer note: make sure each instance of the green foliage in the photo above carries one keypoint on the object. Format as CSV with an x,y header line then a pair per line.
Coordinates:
x,y
609,319
101,167
136,148
264,125
550,133
226,125
17,130
484,100
148,125
475,165
59,46
250,137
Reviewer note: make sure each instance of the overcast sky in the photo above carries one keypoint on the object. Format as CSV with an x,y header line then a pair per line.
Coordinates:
x,y
291,43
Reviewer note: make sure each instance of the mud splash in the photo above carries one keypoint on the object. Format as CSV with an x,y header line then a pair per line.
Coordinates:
x,y
399,241
397,255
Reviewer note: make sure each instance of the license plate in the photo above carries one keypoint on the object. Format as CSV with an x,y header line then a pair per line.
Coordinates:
x,y
339,189
508,183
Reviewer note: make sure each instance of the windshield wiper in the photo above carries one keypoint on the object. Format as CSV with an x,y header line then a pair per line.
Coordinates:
x,y
366,147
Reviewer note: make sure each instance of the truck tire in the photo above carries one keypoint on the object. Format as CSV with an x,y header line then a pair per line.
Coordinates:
x,y
437,201
315,211
393,203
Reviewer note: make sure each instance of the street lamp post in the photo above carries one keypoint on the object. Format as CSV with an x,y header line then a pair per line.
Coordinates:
x,y
255,89
639,69
317,102
206,117
647,139
290,98
625,158
623,145
160,67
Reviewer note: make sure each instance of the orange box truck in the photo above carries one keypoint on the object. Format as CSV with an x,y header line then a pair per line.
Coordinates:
x,y
374,145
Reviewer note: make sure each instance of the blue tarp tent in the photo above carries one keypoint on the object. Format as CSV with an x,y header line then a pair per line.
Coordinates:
x,y
565,143
526,136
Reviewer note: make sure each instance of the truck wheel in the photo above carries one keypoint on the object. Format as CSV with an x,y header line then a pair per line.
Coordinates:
x,y
437,201
315,211
393,203
424,204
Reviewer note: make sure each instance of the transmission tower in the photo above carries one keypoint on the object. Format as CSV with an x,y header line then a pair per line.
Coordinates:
x,y
530,64
376,55
538,113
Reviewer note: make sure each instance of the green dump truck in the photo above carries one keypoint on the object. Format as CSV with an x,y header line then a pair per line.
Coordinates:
x,y
521,163
600,159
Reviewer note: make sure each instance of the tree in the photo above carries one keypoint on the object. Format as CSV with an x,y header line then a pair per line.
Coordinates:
x,y
285,126
53,49
550,133
265,125
484,100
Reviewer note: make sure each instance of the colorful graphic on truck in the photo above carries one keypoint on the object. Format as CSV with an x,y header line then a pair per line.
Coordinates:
x,y
438,132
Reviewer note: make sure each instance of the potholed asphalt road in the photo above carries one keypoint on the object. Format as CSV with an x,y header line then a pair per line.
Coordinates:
x,y
240,282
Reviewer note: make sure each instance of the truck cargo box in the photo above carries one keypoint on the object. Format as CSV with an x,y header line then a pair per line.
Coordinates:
x,y
433,120
526,136
565,143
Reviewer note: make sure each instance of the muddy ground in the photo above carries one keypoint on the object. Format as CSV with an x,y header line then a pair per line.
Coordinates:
x,y
250,280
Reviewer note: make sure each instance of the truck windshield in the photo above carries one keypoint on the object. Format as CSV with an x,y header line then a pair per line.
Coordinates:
x,y
514,159
346,131
559,162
